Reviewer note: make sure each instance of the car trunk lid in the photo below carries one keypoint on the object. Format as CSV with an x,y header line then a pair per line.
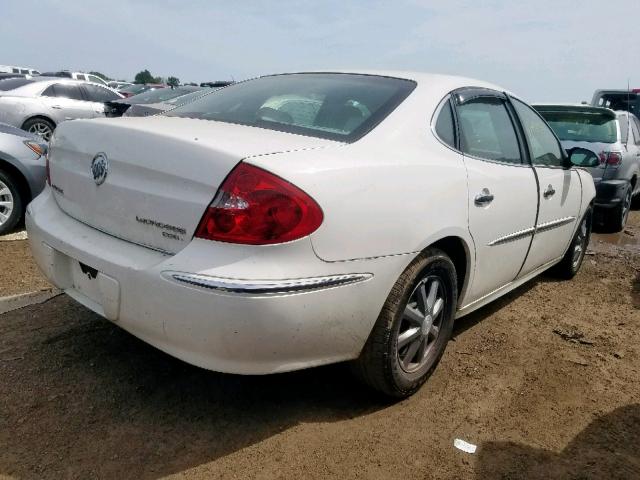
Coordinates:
x,y
161,173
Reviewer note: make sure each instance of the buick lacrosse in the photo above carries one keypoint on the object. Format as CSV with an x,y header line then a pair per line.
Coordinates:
x,y
303,219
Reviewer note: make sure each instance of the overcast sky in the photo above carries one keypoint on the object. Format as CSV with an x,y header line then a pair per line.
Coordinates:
x,y
543,50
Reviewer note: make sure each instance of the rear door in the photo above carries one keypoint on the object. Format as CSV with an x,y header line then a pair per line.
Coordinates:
x,y
560,190
66,102
503,198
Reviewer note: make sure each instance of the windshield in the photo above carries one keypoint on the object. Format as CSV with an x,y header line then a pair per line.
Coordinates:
x,y
583,126
335,106
13,83
160,95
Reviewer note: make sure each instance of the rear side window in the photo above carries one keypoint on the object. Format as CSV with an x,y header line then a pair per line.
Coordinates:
x,y
582,126
63,91
635,130
543,144
444,125
99,94
339,107
486,130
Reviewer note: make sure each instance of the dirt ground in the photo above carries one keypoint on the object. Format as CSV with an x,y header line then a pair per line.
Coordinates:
x,y
545,381
18,272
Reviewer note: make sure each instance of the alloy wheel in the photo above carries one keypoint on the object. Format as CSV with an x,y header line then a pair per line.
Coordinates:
x,y
6,203
41,129
580,245
420,324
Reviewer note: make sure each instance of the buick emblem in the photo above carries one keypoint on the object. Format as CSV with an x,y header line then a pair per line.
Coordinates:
x,y
100,168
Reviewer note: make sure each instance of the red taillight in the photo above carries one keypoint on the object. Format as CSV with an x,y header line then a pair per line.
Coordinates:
x,y
614,159
256,207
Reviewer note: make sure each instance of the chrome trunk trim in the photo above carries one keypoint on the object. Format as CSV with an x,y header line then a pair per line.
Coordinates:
x,y
265,287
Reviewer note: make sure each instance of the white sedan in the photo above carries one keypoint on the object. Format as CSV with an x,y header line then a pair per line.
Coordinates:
x,y
303,219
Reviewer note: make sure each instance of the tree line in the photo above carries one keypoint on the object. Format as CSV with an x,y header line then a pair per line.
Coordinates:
x,y
144,76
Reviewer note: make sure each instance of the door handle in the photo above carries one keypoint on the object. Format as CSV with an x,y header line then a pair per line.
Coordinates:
x,y
485,197
549,192
57,107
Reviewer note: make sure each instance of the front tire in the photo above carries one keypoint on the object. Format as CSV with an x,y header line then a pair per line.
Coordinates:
x,y
413,328
11,204
573,258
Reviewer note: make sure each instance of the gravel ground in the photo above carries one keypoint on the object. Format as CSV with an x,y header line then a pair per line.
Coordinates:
x,y
546,382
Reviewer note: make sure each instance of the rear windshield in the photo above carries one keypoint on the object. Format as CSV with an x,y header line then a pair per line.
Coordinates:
x,y
335,106
583,126
12,83
160,95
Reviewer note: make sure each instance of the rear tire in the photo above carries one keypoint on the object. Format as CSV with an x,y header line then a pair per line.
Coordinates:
x,y
40,126
570,264
11,204
615,219
413,328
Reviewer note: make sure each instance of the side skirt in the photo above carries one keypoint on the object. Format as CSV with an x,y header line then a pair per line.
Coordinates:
x,y
490,297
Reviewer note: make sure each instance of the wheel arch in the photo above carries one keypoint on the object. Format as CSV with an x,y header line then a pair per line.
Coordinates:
x,y
460,253
19,177
44,117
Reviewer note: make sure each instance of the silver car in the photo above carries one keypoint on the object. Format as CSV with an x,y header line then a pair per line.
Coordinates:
x,y
39,104
615,137
22,173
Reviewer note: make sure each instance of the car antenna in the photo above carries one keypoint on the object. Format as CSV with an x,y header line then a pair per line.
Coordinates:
x,y
628,113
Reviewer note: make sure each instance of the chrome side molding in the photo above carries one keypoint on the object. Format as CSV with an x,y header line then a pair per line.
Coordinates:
x,y
542,227
265,287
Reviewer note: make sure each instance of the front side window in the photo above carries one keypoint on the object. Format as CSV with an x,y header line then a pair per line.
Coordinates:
x,y
339,107
486,130
444,125
544,147
80,77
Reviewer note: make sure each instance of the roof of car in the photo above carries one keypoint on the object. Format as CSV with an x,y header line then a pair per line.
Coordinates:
x,y
439,83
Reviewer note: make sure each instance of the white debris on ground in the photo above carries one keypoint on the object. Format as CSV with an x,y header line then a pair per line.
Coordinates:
x,y
21,235
464,446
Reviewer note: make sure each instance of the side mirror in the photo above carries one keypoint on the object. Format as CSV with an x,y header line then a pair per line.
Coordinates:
x,y
581,157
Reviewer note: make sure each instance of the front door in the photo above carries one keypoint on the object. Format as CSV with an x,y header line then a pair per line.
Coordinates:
x,y
560,191
502,189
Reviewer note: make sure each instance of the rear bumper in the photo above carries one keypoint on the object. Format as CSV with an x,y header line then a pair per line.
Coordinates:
x,y
202,306
610,193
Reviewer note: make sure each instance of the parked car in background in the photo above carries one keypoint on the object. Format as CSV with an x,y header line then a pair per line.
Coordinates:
x,y
117,85
627,100
22,173
138,88
4,76
38,106
22,70
149,102
615,137
345,229
77,76
217,84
